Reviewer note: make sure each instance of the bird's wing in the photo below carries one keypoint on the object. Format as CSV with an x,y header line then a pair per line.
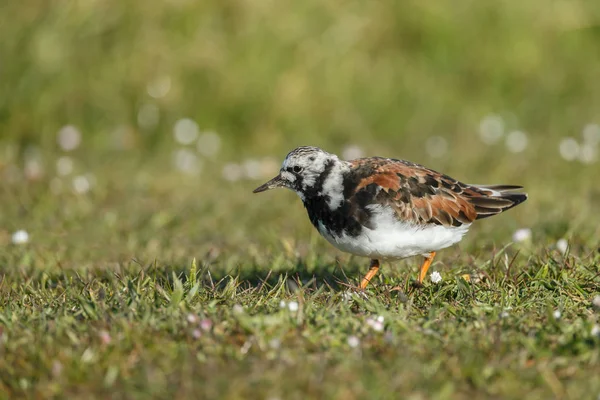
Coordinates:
x,y
423,196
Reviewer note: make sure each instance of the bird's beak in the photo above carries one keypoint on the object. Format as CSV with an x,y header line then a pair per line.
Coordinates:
x,y
274,183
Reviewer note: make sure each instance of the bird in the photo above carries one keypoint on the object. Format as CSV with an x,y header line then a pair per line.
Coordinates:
x,y
387,209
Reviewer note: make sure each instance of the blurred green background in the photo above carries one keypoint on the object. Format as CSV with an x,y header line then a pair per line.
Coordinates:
x,y
132,134
134,129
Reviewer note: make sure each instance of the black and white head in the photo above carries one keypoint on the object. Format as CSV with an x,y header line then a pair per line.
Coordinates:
x,y
305,171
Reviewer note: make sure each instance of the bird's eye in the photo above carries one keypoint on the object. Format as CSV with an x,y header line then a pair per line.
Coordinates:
x,y
297,169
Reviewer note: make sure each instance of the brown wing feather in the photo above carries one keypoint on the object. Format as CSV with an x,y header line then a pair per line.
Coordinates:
x,y
423,196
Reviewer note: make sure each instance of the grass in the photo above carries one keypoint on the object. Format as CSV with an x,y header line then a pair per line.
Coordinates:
x,y
167,278
147,329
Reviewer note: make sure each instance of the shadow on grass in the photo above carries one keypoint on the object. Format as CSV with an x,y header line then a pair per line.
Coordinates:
x,y
329,275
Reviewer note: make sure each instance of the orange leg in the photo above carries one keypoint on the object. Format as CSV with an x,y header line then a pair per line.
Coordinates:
x,y
425,266
372,272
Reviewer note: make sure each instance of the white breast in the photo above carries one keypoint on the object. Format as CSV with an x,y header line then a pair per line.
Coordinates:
x,y
393,239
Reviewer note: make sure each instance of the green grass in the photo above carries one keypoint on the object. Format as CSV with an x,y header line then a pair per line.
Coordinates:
x,y
105,299
195,331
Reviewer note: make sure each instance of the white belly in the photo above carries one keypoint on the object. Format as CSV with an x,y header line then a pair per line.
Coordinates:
x,y
393,239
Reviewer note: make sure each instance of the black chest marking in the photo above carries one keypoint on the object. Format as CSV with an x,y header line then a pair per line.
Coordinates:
x,y
349,218
336,221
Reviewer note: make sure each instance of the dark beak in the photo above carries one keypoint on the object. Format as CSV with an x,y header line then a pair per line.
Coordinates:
x,y
274,183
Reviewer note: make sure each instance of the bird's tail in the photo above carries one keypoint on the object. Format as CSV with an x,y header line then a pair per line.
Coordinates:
x,y
495,199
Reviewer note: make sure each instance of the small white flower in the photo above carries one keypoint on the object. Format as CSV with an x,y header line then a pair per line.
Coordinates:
x,y
435,277
192,318
187,161
516,141
293,306
159,87
380,318
69,138
64,166
81,184
591,134
375,324
522,235
206,325
556,314
20,237
569,149
105,337
588,154
595,330
353,341
186,131
562,245
504,314
282,304
238,309
491,129
596,301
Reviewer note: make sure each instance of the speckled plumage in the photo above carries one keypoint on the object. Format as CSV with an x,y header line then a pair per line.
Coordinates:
x,y
385,208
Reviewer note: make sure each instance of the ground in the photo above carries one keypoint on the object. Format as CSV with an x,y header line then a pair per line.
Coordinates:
x,y
135,261
275,318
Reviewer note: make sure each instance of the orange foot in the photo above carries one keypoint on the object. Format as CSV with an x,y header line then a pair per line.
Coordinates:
x,y
372,272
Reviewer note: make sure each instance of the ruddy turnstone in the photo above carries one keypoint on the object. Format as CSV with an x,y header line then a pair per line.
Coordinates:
x,y
387,209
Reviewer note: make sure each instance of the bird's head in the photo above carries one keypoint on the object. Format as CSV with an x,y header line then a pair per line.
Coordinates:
x,y
303,171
